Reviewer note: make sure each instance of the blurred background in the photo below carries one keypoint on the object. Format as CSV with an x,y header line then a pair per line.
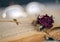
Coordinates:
x,y
52,6
4,3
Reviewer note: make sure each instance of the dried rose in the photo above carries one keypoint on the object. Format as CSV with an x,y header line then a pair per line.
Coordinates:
x,y
46,21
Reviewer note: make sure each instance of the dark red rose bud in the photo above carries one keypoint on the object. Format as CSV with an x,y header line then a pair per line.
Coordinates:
x,y
46,21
